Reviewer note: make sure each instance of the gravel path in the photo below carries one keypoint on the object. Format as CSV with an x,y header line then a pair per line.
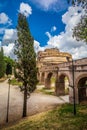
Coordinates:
x,y
36,103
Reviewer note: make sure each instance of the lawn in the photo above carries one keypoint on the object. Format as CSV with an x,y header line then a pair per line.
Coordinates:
x,y
50,91
60,118
47,91
15,82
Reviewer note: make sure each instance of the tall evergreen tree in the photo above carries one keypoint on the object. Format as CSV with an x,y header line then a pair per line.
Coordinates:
x,y
2,63
8,69
9,63
26,65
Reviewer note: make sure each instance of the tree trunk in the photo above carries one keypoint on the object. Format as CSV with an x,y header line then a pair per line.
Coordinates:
x,y
25,103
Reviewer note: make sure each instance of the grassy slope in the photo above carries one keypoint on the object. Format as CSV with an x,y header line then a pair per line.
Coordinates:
x,y
61,118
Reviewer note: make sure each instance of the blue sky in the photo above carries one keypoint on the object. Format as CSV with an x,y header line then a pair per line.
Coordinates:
x,y
41,20
50,21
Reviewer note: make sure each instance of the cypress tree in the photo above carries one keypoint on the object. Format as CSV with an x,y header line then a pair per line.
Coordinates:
x,y
2,63
26,65
8,69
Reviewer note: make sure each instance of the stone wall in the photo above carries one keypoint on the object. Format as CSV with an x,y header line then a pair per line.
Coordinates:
x,y
52,57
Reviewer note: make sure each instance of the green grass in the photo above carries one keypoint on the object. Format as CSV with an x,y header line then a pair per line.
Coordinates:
x,y
60,118
53,80
51,88
15,82
48,91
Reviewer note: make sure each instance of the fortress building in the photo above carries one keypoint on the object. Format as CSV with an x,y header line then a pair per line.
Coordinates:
x,y
53,63
52,57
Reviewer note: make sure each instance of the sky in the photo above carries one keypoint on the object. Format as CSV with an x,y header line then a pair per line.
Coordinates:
x,y
51,24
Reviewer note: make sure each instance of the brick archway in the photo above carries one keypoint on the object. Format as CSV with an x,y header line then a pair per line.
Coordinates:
x,y
78,78
65,69
48,80
81,84
48,76
42,77
60,87
38,76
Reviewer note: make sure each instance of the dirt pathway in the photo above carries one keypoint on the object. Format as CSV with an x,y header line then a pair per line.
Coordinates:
x,y
36,103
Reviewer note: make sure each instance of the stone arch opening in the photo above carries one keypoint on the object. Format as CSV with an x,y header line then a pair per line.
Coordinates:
x,y
38,76
82,90
63,85
50,80
42,77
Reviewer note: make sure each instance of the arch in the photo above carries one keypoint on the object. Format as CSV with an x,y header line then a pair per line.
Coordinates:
x,y
38,76
42,77
64,74
48,80
81,85
78,78
62,88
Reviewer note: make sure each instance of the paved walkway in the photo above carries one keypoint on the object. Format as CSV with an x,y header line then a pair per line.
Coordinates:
x,y
36,103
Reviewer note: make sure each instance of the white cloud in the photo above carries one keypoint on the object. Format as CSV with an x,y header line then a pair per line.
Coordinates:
x,y
65,42
9,33
72,17
9,50
54,5
53,29
79,52
5,22
9,36
37,46
46,3
48,34
25,9
4,19
8,42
